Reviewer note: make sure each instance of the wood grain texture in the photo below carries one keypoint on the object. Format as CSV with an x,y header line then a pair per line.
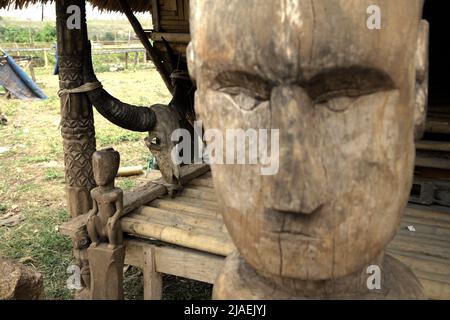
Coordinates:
x,y
153,286
344,108
106,272
238,280
431,269
77,119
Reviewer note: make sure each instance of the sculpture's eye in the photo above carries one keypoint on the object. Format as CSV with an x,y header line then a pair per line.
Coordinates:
x,y
247,91
339,103
153,143
345,83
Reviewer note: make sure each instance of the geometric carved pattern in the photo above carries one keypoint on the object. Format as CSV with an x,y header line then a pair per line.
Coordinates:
x,y
77,125
78,150
77,120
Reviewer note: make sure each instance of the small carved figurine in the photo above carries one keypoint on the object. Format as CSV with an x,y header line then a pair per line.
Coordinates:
x,y
103,222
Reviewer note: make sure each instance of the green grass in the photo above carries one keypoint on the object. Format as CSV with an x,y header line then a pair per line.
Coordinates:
x,y
126,183
39,244
53,174
37,159
116,137
25,187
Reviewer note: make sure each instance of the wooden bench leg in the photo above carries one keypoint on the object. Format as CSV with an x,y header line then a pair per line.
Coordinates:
x,y
153,286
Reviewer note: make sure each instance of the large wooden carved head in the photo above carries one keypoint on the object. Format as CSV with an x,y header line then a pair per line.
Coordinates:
x,y
342,93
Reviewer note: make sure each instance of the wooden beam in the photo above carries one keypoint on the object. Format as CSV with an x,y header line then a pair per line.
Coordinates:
x,y
431,161
157,60
155,16
176,261
184,38
438,125
439,146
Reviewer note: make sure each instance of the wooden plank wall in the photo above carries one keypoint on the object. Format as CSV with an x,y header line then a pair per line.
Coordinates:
x,y
171,21
173,16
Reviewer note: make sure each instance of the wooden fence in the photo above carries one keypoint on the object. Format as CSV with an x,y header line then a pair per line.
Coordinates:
x,y
47,51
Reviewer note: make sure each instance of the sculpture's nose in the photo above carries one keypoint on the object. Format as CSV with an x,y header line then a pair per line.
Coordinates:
x,y
300,184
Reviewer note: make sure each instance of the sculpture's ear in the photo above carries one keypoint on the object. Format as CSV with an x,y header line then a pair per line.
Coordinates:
x,y
422,69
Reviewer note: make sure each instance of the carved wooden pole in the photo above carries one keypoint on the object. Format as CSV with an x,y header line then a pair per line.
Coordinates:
x,y
77,121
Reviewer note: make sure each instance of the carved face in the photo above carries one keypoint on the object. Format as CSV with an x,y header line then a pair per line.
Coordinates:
x,y
105,164
341,95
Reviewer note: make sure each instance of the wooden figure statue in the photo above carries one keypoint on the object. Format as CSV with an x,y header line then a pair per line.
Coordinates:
x,y
106,253
337,79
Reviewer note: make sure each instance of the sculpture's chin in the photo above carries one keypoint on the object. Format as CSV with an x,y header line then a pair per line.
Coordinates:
x,y
306,258
310,247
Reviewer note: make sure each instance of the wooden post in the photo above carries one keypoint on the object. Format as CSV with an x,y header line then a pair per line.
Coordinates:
x,y
155,16
77,121
126,60
46,58
136,59
106,266
30,66
153,287
33,75
77,125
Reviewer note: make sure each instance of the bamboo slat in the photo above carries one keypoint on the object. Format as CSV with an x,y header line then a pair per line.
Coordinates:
x,y
197,193
176,218
183,207
195,238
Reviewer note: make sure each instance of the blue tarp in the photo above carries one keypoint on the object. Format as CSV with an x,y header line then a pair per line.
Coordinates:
x,y
16,81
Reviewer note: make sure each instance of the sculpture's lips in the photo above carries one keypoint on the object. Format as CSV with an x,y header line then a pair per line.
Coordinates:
x,y
294,223
312,212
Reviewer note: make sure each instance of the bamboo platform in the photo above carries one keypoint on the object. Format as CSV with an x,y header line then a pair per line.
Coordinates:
x,y
186,237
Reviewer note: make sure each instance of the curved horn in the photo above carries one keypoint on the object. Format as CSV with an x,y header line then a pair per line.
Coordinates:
x,y
134,118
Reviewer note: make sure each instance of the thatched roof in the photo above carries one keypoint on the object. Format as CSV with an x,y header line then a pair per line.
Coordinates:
x,y
111,5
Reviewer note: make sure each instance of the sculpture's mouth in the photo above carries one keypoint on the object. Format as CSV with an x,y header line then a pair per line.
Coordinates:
x,y
305,214
295,223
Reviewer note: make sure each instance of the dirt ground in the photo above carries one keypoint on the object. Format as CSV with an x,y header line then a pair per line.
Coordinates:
x,y
32,178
